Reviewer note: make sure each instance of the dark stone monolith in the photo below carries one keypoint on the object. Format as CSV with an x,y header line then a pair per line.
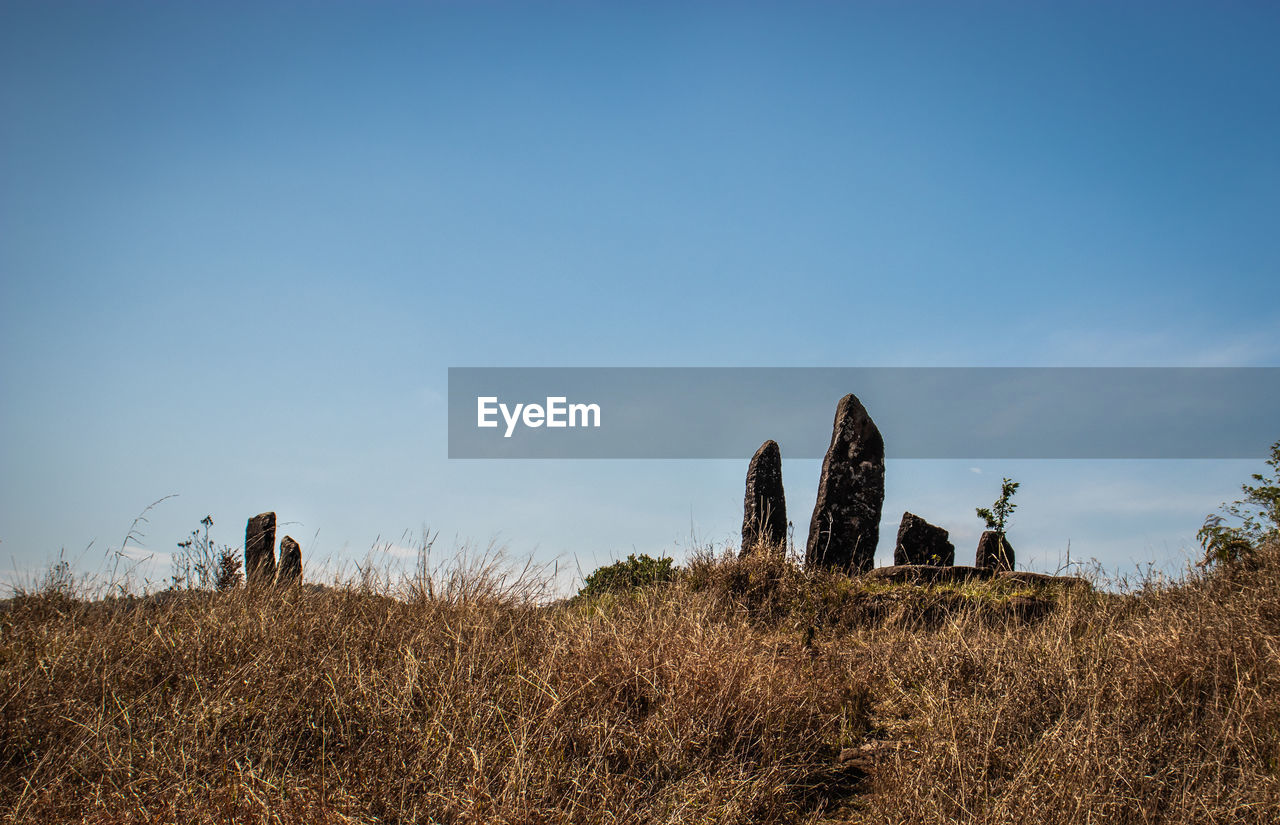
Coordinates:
x,y
994,551
764,508
260,549
920,542
845,527
290,562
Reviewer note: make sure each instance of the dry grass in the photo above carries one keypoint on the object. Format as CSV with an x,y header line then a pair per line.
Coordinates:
x,y
725,697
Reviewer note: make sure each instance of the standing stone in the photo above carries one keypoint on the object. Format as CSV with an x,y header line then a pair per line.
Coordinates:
x,y
290,571
845,527
920,542
260,549
993,553
764,509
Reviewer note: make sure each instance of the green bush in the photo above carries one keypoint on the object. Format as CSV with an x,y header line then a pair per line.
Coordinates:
x,y
1258,514
625,576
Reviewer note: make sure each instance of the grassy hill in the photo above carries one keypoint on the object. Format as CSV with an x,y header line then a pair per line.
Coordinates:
x,y
741,691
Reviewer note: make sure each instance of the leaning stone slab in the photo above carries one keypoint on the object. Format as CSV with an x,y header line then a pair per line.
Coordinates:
x,y
845,527
994,553
764,508
260,549
928,574
290,562
920,542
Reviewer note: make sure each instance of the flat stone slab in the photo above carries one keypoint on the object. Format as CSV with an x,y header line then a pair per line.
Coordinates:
x,y
1042,579
929,573
935,574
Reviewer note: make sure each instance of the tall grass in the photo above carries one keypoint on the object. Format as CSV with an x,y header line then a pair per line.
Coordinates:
x,y
745,691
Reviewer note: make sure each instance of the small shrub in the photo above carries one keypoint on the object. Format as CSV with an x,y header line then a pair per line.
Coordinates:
x,y
624,576
229,566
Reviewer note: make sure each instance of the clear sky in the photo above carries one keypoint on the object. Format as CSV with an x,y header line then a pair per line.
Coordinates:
x,y
241,243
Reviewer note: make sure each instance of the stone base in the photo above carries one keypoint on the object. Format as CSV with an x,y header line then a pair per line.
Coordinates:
x,y
939,574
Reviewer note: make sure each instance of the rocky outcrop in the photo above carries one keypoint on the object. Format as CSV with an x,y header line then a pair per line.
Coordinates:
x,y
920,542
260,549
845,527
764,508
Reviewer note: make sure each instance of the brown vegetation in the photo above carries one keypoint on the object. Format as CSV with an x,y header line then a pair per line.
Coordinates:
x,y
745,691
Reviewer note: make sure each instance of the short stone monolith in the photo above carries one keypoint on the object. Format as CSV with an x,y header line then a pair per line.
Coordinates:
x,y
920,542
993,552
290,571
845,527
764,508
260,549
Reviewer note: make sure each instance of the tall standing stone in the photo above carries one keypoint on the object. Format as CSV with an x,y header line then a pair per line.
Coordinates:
x,y
260,549
994,551
845,527
920,542
764,508
290,562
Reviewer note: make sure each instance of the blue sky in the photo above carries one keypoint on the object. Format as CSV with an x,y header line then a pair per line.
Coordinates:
x,y
240,244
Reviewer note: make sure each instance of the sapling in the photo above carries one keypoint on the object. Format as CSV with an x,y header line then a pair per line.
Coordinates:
x,y
997,516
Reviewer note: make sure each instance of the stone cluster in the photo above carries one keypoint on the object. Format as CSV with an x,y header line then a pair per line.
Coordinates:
x,y
260,568
845,527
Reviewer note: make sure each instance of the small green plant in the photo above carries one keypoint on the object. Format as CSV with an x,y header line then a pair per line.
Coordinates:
x,y
997,516
1258,514
625,576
